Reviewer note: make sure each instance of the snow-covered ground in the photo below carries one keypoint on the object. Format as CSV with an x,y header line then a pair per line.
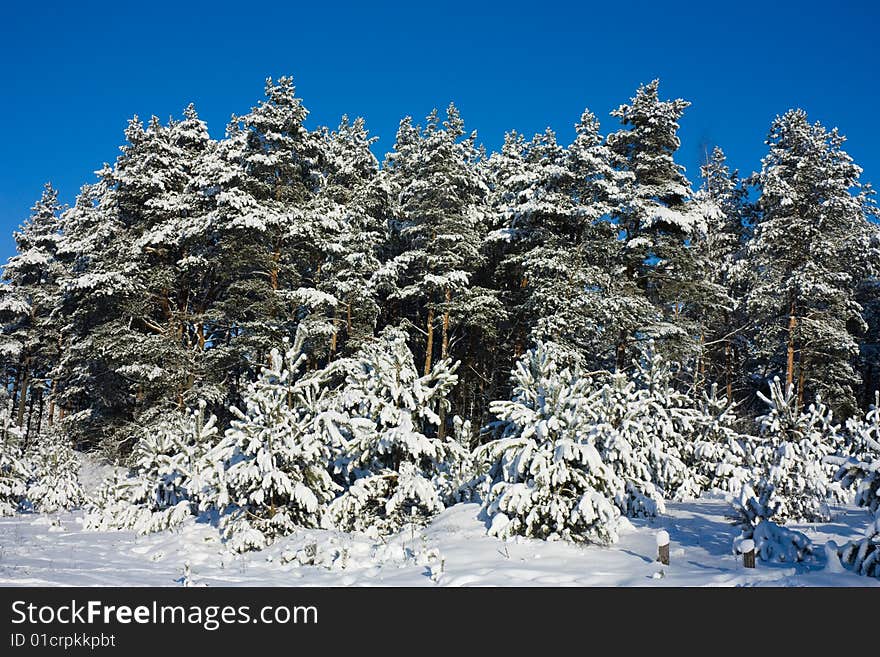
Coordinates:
x,y
453,550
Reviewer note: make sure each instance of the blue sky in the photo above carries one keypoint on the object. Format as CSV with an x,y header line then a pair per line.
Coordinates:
x,y
72,73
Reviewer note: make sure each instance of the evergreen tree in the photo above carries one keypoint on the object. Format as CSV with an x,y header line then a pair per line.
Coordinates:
x,y
546,478
439,223
31,336
655,221
96,399
353,196
272,466
809,254
720,454
862,472
14,471
722,203
789,479
162,489
55,475
395,465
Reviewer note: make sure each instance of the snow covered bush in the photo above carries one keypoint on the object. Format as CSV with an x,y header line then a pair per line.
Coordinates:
x,y
55,482
616,413
548,479
776,544
667,423
862,472
718,455
863,556
161,489
569,440
14,471
395,463
790,480
645,428
272,464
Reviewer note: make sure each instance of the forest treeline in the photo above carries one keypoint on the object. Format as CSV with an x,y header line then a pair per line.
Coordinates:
x,y
173,277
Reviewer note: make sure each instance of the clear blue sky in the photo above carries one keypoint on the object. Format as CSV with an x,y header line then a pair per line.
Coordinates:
x,y
72,73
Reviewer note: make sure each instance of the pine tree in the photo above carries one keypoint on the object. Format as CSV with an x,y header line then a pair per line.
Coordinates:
x,y
95,398
14,470
162,489
439,224
720,455
394,463
655,220
353,197
54,485
789,478
272,465
546,477
808,256
31,336
718,244
862,472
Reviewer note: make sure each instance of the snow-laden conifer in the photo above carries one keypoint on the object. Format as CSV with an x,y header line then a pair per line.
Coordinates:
x,y
547,479
790,480
395,465
14,471
161,489
271,466
54,484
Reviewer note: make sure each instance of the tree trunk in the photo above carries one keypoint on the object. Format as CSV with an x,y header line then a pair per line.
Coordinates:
x,y
789,368
444,344
52,392
19,375
273,272
728,371
429,347
801,376
23,391
334,337
40,412
27,431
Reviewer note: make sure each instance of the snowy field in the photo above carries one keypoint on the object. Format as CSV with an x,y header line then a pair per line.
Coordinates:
x,y
453,550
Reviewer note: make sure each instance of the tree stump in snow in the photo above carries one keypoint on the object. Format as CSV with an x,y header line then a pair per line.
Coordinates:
x,y
747,547
663,547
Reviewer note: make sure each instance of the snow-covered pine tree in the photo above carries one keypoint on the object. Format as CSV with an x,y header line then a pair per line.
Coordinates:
x,y
271,469
256,235
534,198
31,337
545,476
54,484
720,455
14,470
439,223
169,327
396,466
863,556
165,482
616,409
667,427
808,256
654,219
789,479
861,471
93,397
601,303
717,246
354,198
